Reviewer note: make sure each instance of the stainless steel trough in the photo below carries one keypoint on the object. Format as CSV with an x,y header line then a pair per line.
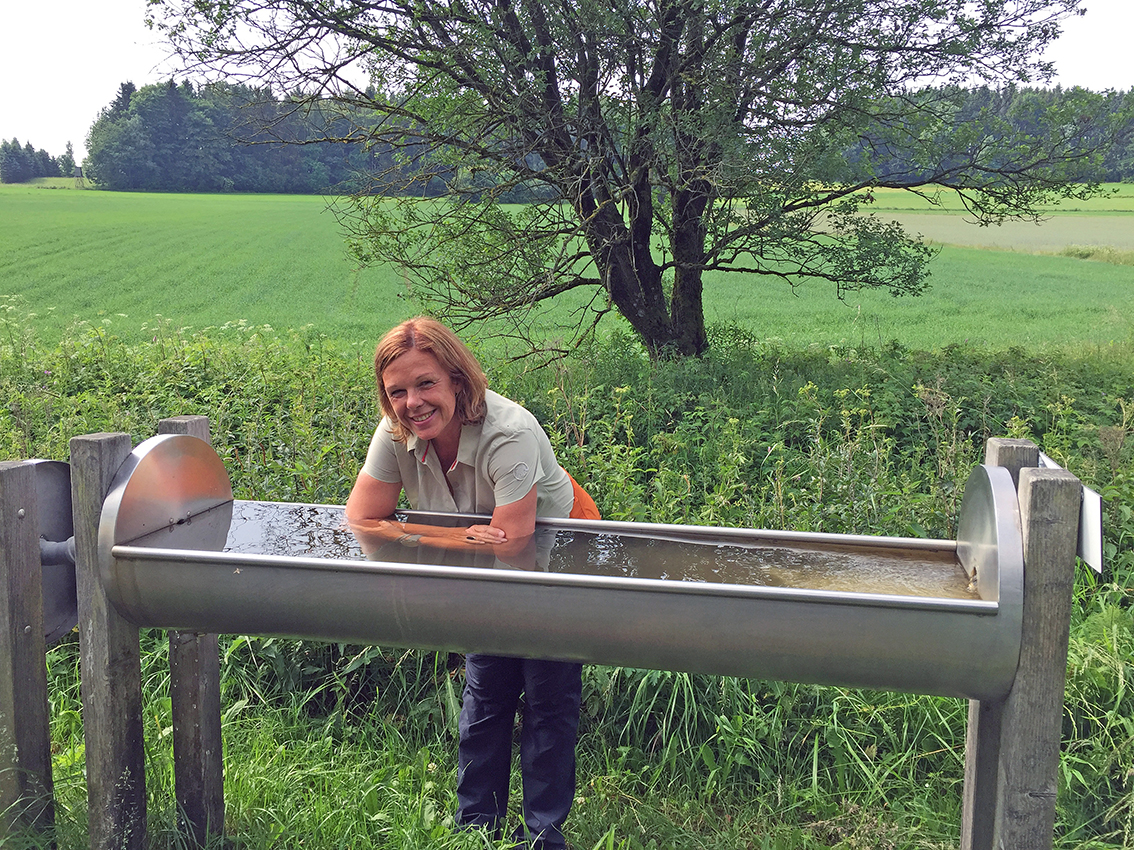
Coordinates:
x,y
926,616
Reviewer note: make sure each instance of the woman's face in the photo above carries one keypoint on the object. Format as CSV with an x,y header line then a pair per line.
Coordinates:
x,y
423,395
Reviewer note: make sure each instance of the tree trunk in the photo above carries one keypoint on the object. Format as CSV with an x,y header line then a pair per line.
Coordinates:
x,y
688,245
637,293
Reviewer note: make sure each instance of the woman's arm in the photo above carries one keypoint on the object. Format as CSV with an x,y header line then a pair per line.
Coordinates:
x,y
372,502
371,498
510,528
422,534
515,520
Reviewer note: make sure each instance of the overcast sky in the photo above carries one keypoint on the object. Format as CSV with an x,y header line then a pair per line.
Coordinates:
x,y
61,61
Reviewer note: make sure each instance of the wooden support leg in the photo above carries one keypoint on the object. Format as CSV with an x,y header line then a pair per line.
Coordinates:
x,y
26,796
1033,710
111,667
1012,746
194,666
982,774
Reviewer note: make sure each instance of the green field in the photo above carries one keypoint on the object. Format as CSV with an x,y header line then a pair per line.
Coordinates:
x,y
1106,220
197,261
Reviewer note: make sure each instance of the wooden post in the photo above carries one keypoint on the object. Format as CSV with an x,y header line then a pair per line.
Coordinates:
x,y
1013,455
1012,745
111,666
980,808
26,791
194,667
981,805
1033,710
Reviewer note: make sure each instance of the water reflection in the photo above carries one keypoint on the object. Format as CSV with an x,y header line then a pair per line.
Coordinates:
x,y
319,531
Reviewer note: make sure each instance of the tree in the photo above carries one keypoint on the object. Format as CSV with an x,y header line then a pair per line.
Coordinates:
x,y
175,137
657,140
67,162
120,153
22,163
121,103
12,166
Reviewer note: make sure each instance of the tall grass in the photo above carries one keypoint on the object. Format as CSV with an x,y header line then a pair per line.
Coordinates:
x,y
1105,254
331,746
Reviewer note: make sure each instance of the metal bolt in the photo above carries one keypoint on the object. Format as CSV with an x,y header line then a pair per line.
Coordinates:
x,y
20,513
27,630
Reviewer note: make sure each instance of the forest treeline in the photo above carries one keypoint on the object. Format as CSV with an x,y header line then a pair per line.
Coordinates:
x,y
221,137
20,163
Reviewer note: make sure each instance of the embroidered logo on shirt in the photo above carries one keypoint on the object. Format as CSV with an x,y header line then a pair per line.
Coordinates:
x,y
520,470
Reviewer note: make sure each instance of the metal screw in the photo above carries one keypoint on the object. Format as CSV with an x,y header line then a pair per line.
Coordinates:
x,y
27,630
20,513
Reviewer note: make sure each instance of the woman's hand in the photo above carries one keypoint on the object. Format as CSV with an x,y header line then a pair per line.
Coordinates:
x,y
378,527
485,534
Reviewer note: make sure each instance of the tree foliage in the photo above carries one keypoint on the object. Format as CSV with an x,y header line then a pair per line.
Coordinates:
x,y
67,162
178,137
657,140
20,163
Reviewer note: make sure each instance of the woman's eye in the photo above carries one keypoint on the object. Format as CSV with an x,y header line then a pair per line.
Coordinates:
x,y
397,394
426,384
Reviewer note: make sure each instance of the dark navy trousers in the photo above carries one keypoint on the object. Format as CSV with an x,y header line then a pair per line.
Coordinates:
x,y
552,695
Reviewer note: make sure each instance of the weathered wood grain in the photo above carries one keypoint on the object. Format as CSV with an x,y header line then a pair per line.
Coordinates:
x,y
111,667
194,666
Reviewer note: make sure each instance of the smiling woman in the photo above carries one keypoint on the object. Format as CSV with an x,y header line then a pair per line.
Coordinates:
x,y
453,445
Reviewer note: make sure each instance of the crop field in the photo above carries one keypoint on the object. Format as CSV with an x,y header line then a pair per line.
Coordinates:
x,y
134,261
194,260
1102,221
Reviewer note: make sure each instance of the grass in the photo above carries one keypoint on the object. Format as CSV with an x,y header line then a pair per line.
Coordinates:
x,y
331,747
1104,254
206,260
976,296
1116,198
197,260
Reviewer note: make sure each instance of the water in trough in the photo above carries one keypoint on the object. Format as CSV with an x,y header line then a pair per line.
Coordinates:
x,y
320,531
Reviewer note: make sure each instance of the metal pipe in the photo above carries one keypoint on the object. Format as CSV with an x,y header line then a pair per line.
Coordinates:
x,y
57,553
56,548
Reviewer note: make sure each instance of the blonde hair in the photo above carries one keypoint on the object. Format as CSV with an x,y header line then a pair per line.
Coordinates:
x,y
429,335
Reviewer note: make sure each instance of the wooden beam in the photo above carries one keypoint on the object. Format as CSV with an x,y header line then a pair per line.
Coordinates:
x,y
1033,710
980,803
194,667
1013,455
1012,745
26,790
111,666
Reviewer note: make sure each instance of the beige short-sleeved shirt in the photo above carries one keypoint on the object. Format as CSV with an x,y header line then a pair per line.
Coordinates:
x,y
498,462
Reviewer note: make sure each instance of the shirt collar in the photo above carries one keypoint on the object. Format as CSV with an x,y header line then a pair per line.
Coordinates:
x,y
466,449
419,448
